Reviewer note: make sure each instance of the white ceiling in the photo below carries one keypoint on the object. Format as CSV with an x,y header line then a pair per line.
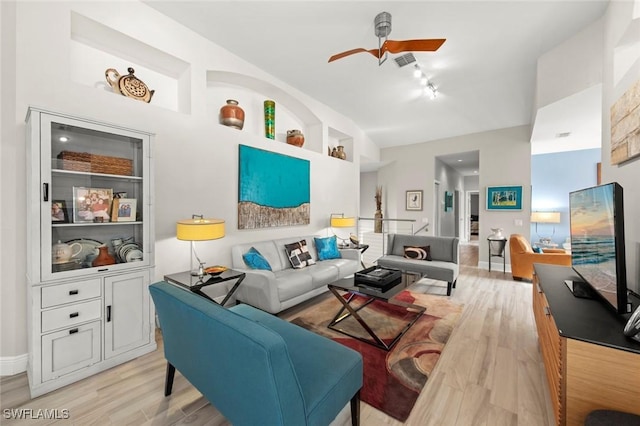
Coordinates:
x,y
484,72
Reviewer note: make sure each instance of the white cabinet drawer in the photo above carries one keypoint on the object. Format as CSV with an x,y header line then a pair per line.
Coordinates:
x,y
66,351
72,292
68,316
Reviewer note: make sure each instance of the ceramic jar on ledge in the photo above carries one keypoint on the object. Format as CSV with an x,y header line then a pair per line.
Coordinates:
x,y
232,115
295,137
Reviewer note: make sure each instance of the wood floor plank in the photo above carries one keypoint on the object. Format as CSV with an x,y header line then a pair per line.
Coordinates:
x,y
490,372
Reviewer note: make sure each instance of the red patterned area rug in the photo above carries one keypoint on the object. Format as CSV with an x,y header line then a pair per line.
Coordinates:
x,y
392,380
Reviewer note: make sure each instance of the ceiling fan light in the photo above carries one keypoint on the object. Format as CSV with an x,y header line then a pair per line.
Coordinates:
x,y
431,91
417,73
423,81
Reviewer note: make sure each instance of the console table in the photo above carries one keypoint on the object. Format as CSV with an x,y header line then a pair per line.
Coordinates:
x,y
589,363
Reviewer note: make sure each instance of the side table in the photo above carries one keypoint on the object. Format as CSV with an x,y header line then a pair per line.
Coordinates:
x,y
196,284
496,249
361,247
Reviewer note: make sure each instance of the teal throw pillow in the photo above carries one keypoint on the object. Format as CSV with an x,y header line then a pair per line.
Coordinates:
x,y
255,260
537,250
327,248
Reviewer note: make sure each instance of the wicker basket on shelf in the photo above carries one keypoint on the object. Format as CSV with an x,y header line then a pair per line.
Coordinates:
x,y
85,162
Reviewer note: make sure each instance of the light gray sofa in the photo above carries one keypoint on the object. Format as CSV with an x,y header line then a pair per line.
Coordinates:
x,y
445,252
283,287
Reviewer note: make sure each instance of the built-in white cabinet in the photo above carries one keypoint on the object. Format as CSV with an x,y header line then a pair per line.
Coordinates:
x,y
89,247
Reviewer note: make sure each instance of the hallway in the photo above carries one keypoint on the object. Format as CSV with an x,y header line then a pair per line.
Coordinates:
x,y
469,253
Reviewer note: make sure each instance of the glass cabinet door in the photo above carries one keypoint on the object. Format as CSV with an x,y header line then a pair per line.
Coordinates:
x,y
94,197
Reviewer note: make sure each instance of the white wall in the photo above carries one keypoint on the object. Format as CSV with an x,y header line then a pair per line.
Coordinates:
x,y
471,183
505,157
368,183
621,70
195,157
570,67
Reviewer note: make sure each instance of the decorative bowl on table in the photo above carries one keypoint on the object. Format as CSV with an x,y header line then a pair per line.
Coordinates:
x,y
215,270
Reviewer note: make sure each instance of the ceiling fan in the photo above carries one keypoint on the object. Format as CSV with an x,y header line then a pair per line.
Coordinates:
x,y
382,28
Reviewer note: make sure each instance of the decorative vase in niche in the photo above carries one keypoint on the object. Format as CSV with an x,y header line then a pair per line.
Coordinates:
x,y
295,137
340,153
232,115
104,258
270,119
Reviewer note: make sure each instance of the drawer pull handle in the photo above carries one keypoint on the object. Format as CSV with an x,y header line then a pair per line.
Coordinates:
x,y
73,315
109,313
73,292
547,312
73,331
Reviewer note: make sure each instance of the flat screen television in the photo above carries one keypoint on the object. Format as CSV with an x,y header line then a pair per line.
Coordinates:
x,y
597,242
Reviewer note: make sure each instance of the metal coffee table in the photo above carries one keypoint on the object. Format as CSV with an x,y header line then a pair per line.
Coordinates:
x,y
371,295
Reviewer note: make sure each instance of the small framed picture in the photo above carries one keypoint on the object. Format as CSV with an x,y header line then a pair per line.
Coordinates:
x,y
59,213
123,210
504,198
414,200
91,204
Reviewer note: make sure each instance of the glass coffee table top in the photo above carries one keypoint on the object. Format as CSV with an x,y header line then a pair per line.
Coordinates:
x,y
374,317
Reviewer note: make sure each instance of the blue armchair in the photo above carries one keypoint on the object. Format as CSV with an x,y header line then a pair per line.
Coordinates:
x,y
255,368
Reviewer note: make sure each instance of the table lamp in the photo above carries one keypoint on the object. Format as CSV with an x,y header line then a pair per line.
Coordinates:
x,y
545,217
199,229
338,220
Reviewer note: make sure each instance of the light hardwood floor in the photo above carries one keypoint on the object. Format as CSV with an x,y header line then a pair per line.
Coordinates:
x,y
490,373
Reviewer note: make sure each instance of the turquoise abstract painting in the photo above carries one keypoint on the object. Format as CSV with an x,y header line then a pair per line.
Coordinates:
x,y
274,189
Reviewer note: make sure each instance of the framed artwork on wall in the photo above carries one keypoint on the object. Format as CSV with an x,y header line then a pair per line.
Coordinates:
x,y
448,201
507,198
414,200
625,126
273,189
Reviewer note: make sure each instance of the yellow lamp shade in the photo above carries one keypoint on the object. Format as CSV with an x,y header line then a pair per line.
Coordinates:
x,y
545,217
343,222
200,229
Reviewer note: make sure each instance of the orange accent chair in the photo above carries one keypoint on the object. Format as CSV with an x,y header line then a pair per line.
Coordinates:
x,y
523,257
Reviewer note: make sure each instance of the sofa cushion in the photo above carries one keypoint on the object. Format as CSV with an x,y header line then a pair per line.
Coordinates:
x,y
323,273
437,270
417,253
298,254
345,266
327,248
293,282
255,260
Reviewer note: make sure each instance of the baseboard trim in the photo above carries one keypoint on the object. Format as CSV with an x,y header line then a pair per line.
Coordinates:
x,y
11,365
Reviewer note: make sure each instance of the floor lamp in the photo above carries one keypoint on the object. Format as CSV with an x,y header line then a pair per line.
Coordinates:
x,y
199,229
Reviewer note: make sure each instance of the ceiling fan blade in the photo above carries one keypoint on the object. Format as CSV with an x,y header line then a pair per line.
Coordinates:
x,y
374,52
426,45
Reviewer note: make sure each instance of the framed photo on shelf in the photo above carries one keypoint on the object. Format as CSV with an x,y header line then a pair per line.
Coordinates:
x,y
123,210
507,198
414,200
59,212
91,204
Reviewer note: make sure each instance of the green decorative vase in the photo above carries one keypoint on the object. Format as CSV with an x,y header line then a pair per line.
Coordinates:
x,y
270,119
